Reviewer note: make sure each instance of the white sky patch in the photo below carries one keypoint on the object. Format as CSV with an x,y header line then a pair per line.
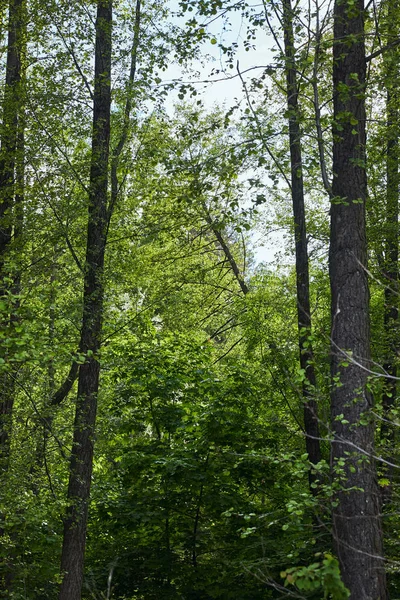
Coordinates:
x,y
219,84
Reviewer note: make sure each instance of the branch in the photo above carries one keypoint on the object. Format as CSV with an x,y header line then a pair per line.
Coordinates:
x,y
382,50
259,127
66,387
226,250
128,107
72,54
272,30
41,418
58,218
62,152
228,351
271,67
320,138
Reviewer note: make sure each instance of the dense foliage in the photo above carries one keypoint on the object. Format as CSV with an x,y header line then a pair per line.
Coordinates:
x,y
130,215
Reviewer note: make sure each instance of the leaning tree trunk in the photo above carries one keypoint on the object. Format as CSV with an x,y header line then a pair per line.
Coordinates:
x,y
75,524
302,275
356,520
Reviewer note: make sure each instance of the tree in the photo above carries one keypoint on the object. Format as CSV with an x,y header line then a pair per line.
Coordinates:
x,y
9,220
194,435
11,194
75,523
311,425
356,522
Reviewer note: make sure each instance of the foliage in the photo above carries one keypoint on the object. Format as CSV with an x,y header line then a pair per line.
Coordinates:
x,y
323,575
200,478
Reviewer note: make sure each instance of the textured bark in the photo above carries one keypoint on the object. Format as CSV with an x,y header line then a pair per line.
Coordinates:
x,y
11,198
12,107
302,274
356,521
75,523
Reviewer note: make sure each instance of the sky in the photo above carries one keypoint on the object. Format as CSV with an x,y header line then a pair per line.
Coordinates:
x,y
226,87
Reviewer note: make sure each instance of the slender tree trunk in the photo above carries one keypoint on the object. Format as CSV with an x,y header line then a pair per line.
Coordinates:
x,y
302,275
75,524
356,520
11,199
12,106
46,419
63,391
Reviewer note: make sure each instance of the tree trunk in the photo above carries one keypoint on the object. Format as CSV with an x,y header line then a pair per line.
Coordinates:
x,y
75,524
12,107
356,520
302,275
11,197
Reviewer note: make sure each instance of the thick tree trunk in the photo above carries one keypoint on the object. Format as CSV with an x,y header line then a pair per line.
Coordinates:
x,y
75,524
302,275
356,521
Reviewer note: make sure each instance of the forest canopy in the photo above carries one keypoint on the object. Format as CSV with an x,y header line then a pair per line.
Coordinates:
x,y
185,413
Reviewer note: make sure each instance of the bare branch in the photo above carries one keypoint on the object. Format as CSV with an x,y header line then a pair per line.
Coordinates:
x,y
259,128
116,154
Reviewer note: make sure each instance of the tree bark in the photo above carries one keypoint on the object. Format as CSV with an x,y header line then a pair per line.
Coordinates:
x,y
301,249
356,521
75,523
11,199
65,388
12,109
